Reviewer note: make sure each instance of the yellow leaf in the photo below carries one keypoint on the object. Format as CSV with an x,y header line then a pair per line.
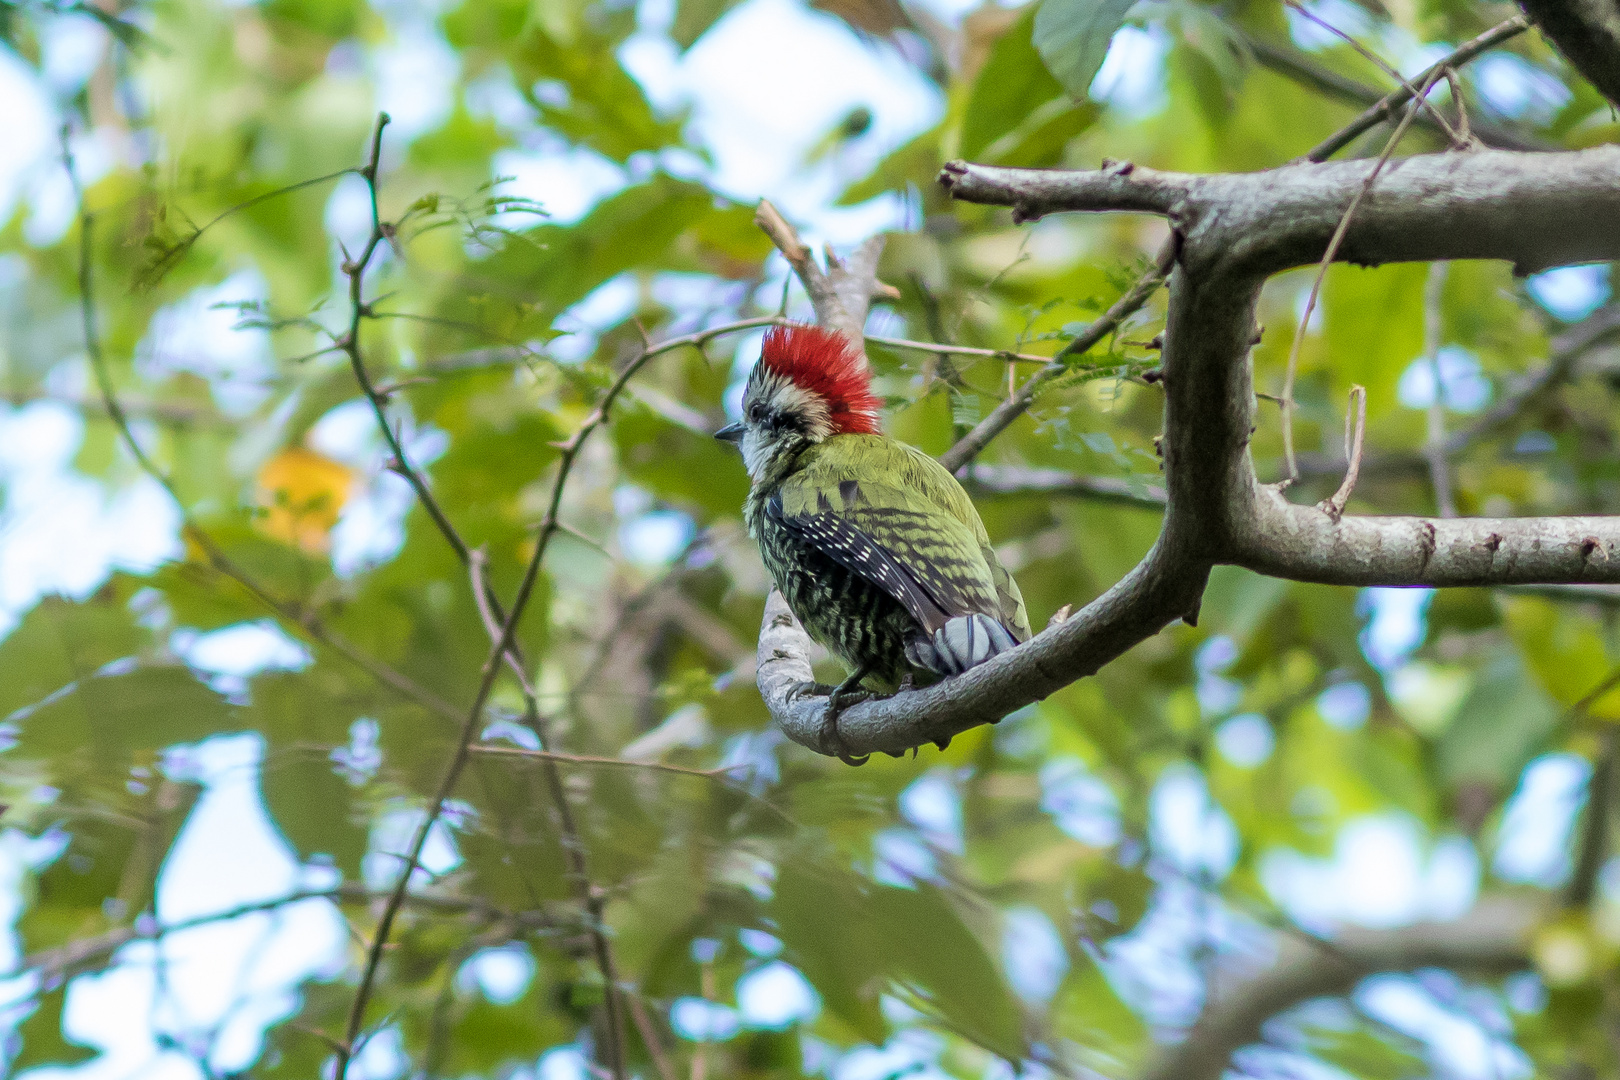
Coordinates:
x,y
301,493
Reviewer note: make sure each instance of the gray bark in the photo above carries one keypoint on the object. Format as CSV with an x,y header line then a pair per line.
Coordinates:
x,y
1534,210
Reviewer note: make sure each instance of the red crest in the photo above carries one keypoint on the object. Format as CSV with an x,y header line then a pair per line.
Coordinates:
x,y
826,363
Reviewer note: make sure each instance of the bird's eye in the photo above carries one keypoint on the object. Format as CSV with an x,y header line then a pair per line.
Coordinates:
x,y
756,412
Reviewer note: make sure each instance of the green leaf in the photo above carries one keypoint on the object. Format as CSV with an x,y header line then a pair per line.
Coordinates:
x,y
60,642
822,920
1012,84
42,1040
1504,721
115,721
1072,37
602,107
937,957
107,872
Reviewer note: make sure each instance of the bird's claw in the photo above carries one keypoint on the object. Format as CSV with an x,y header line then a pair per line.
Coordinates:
x,y
840,699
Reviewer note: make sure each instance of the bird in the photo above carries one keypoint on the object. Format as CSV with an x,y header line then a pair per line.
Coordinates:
x,y
875,546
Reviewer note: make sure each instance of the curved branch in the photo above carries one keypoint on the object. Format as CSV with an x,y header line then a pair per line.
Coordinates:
x,y
1165,586
1490,940
1235,231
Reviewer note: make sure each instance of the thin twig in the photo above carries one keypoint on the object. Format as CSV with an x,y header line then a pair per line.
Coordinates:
x,y
504,643
958,350
355,269
396,898
1384,109
1433,330
75,955
294,615
650,1039
483,598
1463,130
590,759
1378,62
1355,427
1287,402
969,445
490,606
591,898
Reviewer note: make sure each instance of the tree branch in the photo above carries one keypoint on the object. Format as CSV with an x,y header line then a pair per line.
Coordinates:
x,y
1235,231
1565,208
1490,940
1020,480
1306,71
77,955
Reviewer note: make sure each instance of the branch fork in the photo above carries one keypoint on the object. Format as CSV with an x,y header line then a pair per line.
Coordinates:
x,y
1232,233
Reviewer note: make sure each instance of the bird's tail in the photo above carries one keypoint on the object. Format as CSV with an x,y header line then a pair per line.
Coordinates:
x,y
963,642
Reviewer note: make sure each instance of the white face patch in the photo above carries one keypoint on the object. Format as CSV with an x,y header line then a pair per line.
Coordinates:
x,y
777,411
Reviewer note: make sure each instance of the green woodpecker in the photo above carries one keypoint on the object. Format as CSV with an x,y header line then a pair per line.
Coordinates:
x,y
875,546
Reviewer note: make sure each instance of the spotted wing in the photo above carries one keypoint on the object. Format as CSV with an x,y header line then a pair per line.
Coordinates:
x,y
896,538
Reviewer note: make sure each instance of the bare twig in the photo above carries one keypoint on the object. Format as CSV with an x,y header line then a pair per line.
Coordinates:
x,y
1307,71
1287,401
649,1038
1377,61
1018,403
469,729
1464,133
958,350
359,311
590,759
484,599
78,955
1022,480
590,897
1355,426
1384,109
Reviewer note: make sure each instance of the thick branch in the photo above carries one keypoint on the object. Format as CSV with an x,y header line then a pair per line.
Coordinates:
x,y
1534,210
1165,586
1491,940
1236,230
1303,544
1587,32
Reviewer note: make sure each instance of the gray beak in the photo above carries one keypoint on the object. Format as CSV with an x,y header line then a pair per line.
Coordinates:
x,y
731,433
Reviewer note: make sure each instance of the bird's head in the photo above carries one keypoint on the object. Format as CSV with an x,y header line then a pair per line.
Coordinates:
x,y
810,384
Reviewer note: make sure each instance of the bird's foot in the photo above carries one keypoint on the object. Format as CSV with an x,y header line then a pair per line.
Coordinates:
x,y
847,693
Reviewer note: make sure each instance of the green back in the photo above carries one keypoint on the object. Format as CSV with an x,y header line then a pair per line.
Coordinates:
x,y
909,505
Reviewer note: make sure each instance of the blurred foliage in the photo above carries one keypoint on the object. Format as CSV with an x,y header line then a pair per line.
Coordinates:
x,y
220,142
